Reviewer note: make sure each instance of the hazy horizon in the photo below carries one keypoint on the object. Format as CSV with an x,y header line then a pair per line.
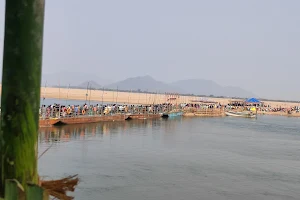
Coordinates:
x,y
250,44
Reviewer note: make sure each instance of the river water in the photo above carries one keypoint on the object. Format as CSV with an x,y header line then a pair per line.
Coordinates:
x,y
178,159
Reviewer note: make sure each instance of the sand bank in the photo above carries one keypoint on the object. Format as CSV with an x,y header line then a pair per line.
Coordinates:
x,y
133,98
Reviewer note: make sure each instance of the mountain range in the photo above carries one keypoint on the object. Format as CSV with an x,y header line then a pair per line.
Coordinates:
x,y
90,84
146,84
191,86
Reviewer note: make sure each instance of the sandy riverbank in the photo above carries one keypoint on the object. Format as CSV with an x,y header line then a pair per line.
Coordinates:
x,y
133,98
279,114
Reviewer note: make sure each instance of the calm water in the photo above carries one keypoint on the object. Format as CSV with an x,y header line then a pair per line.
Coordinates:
x,y
179,159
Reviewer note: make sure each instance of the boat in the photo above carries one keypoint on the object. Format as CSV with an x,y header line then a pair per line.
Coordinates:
x,y
204,113
81,120
144,116
172,114
245,114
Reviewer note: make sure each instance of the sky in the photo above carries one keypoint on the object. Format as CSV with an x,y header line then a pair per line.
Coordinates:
x,y
253,44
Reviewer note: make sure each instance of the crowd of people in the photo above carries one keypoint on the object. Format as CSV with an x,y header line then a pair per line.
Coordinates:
x,y
57,110
263,107
202,105
279,109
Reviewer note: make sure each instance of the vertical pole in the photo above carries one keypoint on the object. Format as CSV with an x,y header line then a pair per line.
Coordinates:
x,y
89,110
59,103
21,85
102,107
44,96
128,97
102,95
67,95
146,97
87,89
59,90
113,100
59,109
256,112
117,95
90,95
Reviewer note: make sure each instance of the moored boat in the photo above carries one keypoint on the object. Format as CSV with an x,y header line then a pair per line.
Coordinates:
x,y
172,114
81,120
144,116
245,114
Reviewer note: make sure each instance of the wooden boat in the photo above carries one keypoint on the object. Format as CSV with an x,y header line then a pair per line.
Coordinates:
x,y
81,120
245,114
172,114
144,116
204,113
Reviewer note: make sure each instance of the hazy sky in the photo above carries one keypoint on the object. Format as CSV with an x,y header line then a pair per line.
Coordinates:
x,y
254,44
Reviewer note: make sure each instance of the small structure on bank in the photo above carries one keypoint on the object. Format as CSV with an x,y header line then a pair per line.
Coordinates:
x,y
203,108
172,98
248,102
253,101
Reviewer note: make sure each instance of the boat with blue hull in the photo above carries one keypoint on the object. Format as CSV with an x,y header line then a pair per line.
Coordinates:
x,y
172,114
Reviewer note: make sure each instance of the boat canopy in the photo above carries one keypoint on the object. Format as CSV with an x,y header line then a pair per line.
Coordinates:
x,y
252,100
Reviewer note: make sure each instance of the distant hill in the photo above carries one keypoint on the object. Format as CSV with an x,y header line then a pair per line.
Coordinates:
x,y
90,84
64,78
208,87
191,86
144,83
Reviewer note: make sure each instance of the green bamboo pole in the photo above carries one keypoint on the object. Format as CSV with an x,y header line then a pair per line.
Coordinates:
x,y
36,192
20,99
13,190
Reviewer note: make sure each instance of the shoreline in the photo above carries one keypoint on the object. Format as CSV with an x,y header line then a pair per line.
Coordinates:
x,y
135,98
145,98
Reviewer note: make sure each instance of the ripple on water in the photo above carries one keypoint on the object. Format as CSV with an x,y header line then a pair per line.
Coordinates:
x,y
210,158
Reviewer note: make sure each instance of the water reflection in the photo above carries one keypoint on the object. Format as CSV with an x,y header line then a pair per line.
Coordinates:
x,y
79,131
98,130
